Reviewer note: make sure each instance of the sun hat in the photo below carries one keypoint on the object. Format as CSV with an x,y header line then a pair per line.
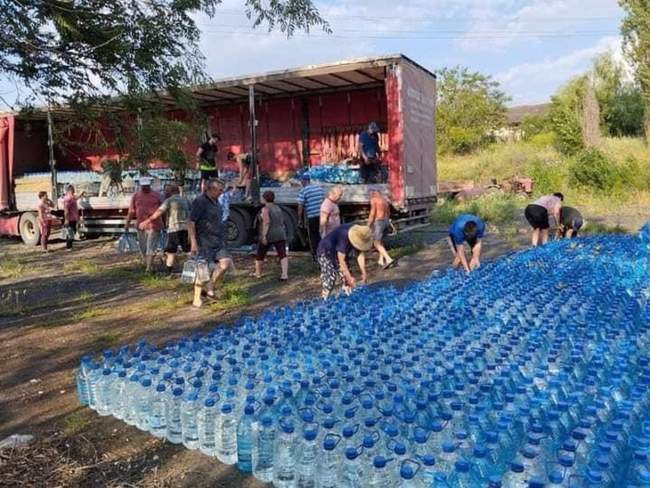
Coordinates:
x,y
361,237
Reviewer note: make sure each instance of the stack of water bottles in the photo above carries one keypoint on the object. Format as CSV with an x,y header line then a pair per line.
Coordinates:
x,y
333,173
533,371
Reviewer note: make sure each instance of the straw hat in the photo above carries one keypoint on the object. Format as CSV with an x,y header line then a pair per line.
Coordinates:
x,y
361,237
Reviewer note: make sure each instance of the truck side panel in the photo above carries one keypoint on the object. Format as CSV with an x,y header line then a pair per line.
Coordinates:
x,y
395,154
6,159
418,95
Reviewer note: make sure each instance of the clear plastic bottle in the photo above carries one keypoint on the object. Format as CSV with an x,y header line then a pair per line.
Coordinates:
x,y
173,416
103,397
157,420
380,476
143,405
351,474
307,454
264,450
118,389
329,463
284,464
245,439
227,435
82,377
189,420
207,420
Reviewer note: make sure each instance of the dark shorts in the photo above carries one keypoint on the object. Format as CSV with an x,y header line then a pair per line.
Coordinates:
x,y
379,229
576,225
213,255
175,240
537,216
280,248
206,174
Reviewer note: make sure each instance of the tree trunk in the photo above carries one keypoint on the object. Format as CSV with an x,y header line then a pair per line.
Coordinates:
x,y
590,117
647,127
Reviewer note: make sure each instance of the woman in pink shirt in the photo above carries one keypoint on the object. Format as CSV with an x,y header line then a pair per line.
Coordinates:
x,y
44,218
539,215
330,215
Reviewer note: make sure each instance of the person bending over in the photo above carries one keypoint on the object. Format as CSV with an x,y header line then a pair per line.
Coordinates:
x,y
468,229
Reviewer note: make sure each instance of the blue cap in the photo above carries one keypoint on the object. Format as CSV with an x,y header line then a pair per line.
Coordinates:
x,y
351,453
287,427
226,408
209,402
267,421
177,392
407,472
517,467
249,409
379,462
329,444
160,387
428,460
348,431
400,449
368,441
310,434
462,466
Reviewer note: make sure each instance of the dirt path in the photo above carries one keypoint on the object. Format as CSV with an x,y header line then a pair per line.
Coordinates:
x,y
57,307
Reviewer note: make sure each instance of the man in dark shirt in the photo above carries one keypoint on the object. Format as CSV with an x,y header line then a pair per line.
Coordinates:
x,y
207,233
370,152
571,222
333,252
207,157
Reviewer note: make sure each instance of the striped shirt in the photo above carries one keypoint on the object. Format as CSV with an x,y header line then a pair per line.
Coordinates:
x,y
311,197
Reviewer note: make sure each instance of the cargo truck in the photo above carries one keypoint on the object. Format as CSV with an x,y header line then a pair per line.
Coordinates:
x,y
296,118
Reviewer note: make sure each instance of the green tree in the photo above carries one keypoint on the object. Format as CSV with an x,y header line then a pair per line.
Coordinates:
x,y
636,43
565,115
89,50
471,106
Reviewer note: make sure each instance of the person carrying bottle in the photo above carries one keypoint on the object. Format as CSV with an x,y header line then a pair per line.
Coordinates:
x,y
70,215
207,234
378,222
334,251
310,198
469,229
177,210
330,214
539,215
44,209
571,222
272,233
144,204
370,153
206,155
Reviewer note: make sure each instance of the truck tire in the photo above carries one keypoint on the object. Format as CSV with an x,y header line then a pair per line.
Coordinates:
x,y
239,227
30,232
291,226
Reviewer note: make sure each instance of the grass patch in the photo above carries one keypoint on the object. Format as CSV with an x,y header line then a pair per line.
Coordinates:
x,y
498,209
400,252
107,339
232,295
157,282
602,228
84,266
75,423
89,313
170,302
11,267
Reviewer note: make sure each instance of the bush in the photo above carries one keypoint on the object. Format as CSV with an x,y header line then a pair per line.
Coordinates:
x,y
592,169
632,175
547,177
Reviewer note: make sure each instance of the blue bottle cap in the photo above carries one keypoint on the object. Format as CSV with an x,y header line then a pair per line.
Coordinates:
x,y
448,446
517,467
480,451
106,371
399,449
351,453
556,477
428,460
368,441
226,408
267,421
287,427
329,444
310,434
462,466
249,409
161,387
379,462
177,392
420,435
209,402
535,483
406,471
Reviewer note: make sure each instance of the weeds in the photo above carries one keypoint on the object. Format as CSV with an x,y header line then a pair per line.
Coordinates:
x,y
498,209
89,313
602,228
84,266
400,252
232,295
11,268
75,423
107,339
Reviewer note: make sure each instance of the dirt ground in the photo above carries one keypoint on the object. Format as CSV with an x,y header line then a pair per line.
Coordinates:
x,y
56,307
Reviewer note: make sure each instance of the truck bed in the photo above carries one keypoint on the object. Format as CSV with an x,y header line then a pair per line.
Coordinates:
x,y
352,194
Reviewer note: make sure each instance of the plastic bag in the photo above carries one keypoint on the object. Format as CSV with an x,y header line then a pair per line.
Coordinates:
x,y
195,271
189,271
127,243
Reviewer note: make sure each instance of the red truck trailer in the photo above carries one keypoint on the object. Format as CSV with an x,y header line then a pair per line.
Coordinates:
x,y
296,118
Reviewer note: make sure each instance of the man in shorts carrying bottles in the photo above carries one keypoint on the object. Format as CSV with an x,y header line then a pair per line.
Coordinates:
x,y
177,210
207,234
539,215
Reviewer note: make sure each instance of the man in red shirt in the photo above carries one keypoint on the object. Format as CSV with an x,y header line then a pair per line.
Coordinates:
x,y
143,205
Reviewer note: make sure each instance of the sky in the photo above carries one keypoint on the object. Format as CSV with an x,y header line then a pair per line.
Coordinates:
x,y
531,47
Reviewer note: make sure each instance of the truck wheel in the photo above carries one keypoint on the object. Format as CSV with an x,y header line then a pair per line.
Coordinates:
x,y
291,226
238,228
30,233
